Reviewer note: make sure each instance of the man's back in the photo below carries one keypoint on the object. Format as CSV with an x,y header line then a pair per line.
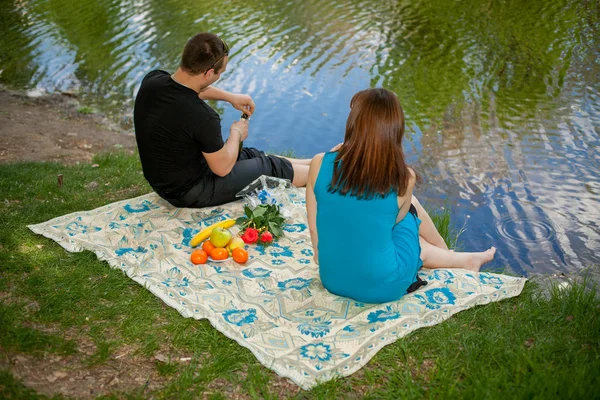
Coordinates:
x,y
173,127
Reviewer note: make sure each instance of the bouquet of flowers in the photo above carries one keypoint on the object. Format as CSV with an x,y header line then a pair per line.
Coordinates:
x,y
261,224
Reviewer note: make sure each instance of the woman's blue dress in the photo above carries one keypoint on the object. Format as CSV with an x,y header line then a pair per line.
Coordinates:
x,y
363,253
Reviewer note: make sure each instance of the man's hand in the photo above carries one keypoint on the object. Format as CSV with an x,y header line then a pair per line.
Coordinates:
x,y
242,127
243,102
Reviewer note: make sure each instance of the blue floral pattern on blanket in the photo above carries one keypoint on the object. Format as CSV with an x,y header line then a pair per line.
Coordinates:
x,y
240,317
275,305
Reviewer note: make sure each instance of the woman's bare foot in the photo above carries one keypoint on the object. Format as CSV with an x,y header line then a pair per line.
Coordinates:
x,y
476,260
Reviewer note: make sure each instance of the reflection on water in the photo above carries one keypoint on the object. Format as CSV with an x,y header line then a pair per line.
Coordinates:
x,y
502,98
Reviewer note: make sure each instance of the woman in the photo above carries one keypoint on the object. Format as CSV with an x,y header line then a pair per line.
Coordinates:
x,y
369,233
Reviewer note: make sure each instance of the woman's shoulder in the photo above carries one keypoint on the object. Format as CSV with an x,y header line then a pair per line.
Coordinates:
x,y
412,177
318,162
412,180
315,166
319,156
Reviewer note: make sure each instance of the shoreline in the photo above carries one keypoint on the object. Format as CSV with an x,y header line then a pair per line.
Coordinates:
x,y
54,128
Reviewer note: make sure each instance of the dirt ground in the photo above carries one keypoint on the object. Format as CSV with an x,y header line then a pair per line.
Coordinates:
x,y
50,128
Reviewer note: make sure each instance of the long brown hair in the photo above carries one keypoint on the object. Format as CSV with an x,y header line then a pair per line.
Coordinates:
x,y
371,161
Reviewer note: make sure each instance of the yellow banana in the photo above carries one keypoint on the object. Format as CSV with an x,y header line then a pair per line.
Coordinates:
x,y
205,233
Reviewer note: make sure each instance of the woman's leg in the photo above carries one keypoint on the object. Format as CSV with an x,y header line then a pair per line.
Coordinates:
x,y
427,230
433,257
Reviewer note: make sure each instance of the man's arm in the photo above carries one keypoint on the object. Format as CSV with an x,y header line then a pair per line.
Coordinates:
x,y
241,102
214,93
221,162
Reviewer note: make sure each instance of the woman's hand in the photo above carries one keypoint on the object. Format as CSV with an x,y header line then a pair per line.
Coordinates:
x,y
243,102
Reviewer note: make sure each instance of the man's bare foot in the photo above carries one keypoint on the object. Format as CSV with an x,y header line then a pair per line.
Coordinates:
x,y
476,260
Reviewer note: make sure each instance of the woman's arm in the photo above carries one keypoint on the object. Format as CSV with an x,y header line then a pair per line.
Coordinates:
x,y
242,102
311,203
404,201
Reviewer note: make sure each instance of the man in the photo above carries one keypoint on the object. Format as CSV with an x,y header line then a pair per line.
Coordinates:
x,y
183,155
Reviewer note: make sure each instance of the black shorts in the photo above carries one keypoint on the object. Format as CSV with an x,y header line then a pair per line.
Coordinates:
x,y
413,210
216,190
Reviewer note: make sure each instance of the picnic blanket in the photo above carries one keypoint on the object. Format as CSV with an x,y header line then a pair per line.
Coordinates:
x,y
275,304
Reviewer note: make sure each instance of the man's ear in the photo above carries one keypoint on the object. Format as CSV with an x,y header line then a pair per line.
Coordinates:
x,y
205,77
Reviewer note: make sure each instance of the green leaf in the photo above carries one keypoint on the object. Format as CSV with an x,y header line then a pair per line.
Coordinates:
x,y
241,220
259,211
277,232
248,212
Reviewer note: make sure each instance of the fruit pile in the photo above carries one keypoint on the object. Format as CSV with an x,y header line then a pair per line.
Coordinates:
x,y
218,244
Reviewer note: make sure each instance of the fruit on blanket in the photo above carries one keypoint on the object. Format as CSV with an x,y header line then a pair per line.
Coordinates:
x,y
235,243
208,247
220,237
206,232
199,257
219,253
240,255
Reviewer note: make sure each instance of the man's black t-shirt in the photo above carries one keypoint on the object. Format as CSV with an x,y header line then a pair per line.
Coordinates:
x,y
173,127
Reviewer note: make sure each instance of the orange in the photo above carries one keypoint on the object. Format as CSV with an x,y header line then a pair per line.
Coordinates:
x,y
199,257
219,253
240,255
208,247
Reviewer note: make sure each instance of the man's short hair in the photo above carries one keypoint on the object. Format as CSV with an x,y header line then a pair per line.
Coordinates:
x,y
203,52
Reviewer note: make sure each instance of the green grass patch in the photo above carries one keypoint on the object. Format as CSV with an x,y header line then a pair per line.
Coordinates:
x,y
532,346
441,220
11,388
85,110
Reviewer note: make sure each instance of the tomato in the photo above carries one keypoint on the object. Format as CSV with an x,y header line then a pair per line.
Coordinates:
x,y
208,247
219,253
199,257
240,255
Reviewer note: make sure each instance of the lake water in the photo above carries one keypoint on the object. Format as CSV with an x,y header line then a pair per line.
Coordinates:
x,y
502,98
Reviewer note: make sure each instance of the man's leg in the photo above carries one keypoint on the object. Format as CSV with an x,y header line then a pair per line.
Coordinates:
x,y
250,166
300,166
251,152
300,174
298,161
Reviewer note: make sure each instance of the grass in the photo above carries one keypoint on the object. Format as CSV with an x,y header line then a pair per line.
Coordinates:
x,y
441,220
59,303
85,110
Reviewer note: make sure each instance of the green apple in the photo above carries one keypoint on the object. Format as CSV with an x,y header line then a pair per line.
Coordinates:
x,y
234,244
219,237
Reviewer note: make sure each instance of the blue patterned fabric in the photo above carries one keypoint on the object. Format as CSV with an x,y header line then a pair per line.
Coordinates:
x,y
363,253
275,304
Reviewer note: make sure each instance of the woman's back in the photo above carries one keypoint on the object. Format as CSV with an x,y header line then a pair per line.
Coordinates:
x,y
358,251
